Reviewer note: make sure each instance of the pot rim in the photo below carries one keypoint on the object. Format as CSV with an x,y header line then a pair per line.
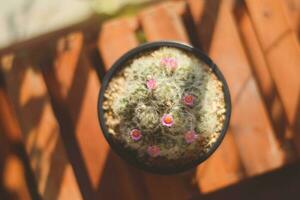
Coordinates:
x,y
146,47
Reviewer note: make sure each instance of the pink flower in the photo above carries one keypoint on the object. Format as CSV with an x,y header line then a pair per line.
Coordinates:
x,y
188,99
169,62
151,84
190,136
167,120
135,134
153,151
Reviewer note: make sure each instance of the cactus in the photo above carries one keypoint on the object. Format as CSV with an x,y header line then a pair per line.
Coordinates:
x,y
165,103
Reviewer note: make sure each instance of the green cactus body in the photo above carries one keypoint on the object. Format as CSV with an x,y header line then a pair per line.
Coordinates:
x,y
165,105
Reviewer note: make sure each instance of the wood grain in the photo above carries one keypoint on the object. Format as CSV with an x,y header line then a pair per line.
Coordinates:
x,y
251,127
292,11
116,33
282,52
161,21
267,86
13,181
225,166
115,38
40,131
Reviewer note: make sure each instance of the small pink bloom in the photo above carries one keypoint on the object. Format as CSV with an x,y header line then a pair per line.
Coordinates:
x,y
151,84
190,136
189,99
135,134
169,62
167,120
153,151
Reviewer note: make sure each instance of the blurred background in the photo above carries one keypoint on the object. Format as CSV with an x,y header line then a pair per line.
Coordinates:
x,y
54,55
25,19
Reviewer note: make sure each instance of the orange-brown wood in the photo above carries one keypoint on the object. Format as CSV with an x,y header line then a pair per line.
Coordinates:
x,y
113,35
175,187
204,15
268,15
252,130
226,159
115,38
79,87
74,87
222,169
177,6
73,70
8,122
292,11
13,181
282,52
40,131
260,68
161,21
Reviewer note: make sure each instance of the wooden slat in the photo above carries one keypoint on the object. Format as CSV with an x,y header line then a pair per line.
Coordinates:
x,y
74,86
115,38
277,185
72,71
129,180
268,15
224,167
292,11
79,87
8,122
161,21
40,131
254,135
204,13
13,184
270,95
251,127
175,187
282,52
13,181
18,177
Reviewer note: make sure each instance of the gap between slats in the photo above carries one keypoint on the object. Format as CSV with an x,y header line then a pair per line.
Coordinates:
x,y
251,127
281,49
39,128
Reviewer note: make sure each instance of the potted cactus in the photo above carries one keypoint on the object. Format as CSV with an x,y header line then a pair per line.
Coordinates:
x,y
164,107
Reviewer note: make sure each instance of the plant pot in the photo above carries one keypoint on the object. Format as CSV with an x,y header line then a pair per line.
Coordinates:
x,y
128,154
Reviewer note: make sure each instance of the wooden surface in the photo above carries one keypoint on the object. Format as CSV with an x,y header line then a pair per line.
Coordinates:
x,y
49,103
13,183
40,131
227,51
281,49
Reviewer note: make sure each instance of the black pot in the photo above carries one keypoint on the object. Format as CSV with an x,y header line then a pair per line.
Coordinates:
x,y
126,155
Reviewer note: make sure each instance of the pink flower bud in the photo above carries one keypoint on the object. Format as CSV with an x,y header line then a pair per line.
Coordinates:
x,y
135,134
188,99
153,151
190,136
151,84
169,62
167,120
